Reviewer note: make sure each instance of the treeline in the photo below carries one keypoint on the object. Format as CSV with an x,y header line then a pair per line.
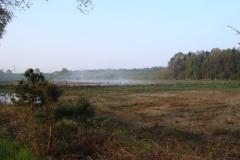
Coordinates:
x,y
106,74
216,64
9,76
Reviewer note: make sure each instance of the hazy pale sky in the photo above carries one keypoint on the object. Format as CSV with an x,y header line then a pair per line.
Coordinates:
x,y
116,34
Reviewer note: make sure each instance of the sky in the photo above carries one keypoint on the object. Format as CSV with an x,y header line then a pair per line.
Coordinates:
x,y
116,33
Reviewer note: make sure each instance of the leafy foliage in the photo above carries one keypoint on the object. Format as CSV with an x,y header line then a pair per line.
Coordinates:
x,y
82,111
30,91
7,8
217,64
52,93
5,17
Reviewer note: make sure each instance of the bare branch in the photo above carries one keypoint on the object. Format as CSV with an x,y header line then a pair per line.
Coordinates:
x,y
85,6
237,31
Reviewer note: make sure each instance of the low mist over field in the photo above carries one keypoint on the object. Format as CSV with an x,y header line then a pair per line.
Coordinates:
x,y
111,76
103,76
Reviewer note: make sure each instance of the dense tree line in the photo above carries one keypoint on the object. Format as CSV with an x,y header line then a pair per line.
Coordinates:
x,y
216,64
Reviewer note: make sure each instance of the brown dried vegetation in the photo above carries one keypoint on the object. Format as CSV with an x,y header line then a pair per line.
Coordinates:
x,y
160,125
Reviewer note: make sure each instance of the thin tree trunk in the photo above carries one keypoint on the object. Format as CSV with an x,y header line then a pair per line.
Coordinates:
x,y
50,142
50,134
86,133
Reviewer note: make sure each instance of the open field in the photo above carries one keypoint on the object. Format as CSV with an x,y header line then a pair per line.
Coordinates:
x,y
196,114
184,120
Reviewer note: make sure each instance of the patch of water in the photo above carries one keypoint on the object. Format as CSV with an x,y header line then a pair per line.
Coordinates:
x,y
6,98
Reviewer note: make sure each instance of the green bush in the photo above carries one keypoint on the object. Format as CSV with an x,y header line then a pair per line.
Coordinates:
x,y
82,111
65,111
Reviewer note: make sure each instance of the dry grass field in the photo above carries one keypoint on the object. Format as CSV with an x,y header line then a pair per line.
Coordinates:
x,y
182,121
201,110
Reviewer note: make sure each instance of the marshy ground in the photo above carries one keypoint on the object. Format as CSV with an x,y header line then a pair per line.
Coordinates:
x,y
185,120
